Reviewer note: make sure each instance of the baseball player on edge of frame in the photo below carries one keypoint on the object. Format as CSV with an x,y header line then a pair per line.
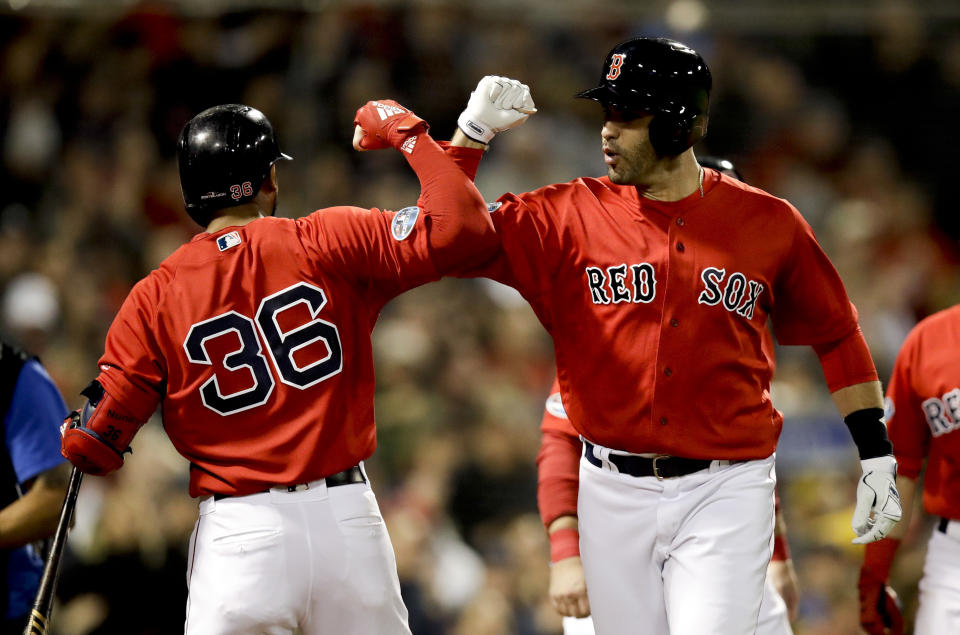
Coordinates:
x,y
656,282
557,484
923,417
255,339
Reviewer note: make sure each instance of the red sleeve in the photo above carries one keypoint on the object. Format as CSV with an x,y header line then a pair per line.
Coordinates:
x,y
521,221
467,159
447,230
846,362
132,369
810,303
528,242
558,467
906,425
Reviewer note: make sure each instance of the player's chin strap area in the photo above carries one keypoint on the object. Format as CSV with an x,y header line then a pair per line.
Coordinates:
x,y
96,437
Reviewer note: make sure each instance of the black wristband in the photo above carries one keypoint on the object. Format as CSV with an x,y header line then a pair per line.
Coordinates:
x,y
869,433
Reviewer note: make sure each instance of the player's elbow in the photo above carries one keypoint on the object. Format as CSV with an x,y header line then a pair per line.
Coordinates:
x,y
469,242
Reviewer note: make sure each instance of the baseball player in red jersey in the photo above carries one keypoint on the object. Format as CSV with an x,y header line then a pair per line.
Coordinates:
x,y
923,419
254,338
656,283
557,468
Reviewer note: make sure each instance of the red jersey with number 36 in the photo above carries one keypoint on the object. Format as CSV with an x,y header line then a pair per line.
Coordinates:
x,y
658,309
257,338
923,410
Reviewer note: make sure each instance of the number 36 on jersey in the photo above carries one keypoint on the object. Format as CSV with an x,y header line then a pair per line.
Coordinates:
x,y
278,362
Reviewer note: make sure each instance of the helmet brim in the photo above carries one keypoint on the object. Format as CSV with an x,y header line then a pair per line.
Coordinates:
x,y
601,94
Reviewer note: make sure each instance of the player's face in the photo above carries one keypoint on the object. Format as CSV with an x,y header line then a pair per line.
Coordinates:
x,y
626,146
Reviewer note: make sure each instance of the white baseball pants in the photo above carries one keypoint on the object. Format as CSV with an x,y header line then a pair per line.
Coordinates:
x,y
773,617
311,562
679,556
939,609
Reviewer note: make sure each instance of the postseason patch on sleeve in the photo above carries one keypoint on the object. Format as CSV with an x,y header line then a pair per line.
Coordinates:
x,y
555,406
404,221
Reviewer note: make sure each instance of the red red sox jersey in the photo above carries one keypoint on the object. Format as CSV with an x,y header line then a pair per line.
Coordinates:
x,y
658,309
256,339
923,410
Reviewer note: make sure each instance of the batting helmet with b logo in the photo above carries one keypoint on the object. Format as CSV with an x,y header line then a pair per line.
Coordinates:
x,y
660,77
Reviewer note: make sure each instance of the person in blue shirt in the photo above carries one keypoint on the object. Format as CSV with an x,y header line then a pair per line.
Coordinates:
x,y
33,479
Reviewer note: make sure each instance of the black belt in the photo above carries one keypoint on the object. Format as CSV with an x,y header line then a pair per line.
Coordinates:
x,y
660,466
942,526
347,477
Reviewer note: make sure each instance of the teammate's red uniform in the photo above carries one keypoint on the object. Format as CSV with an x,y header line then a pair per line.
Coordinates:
x,y
923,410
258,338
923,421
255,339
611,283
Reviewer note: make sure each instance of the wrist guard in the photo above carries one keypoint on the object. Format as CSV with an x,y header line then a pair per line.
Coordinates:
x,y
869,432
95,437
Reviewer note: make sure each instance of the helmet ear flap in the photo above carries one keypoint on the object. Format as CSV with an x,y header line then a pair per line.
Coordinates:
x,y
671,135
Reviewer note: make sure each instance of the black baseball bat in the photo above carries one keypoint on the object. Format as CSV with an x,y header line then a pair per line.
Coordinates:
x,y
43,604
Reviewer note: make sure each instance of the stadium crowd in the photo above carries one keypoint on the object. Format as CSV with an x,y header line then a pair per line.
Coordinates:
x,y
853,128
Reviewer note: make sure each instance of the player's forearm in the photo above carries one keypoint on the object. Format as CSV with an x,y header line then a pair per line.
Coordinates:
x,y
461,232
861,406
564,535
781,550
858,397
34,516
563,522
558,464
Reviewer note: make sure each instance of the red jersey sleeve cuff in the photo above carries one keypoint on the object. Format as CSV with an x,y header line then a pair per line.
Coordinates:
x,y
564,543
141,402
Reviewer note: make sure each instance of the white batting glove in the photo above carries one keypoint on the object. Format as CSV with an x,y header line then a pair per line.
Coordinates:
x,y
878,501
497,104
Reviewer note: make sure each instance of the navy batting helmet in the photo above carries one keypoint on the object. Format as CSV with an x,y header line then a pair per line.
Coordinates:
x,y
661,77
721,165
224,155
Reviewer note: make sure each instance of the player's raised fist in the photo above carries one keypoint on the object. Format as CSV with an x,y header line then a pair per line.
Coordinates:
x,y
497,104
384,123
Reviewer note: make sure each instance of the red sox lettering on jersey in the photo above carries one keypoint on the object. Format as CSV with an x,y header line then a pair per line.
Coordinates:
x,y
943,413
689,284
615,285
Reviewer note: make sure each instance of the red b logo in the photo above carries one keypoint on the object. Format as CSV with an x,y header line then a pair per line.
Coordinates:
x,y
615,63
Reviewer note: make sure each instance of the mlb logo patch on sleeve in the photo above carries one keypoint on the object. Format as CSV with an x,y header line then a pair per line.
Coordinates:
x,y
404,221
227,241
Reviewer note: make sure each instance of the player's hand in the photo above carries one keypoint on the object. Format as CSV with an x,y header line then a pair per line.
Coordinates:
x,y
383,124
497,104
878,501
568,588
879,606
784,579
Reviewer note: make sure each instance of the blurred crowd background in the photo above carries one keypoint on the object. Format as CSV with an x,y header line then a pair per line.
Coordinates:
x,y
847,109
